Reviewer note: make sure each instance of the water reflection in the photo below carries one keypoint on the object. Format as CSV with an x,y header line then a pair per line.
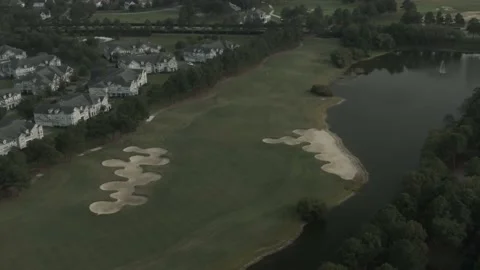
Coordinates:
x,y
388,112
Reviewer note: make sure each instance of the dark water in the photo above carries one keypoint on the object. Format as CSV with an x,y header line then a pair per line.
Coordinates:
x,y
384,121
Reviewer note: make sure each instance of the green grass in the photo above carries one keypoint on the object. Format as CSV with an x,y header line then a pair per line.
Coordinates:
x,y
224,199
158,78
137,17
6,84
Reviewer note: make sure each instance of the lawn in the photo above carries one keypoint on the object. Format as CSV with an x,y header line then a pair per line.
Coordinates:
x,y
6,84
137,17
224,199
328,6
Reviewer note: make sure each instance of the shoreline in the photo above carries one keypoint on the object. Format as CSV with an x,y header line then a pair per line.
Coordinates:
x,y
361,176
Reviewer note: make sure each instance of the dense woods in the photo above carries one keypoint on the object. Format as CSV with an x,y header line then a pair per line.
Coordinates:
x,y
438,212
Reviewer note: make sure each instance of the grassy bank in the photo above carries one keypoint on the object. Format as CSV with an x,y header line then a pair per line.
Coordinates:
x,y
224,199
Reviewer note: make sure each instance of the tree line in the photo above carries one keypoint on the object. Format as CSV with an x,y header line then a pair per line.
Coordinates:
x,y
438,212
189,81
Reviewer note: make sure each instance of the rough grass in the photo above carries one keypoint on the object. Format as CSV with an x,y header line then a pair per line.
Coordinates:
x,y
328,6
137,17
6,84
224,199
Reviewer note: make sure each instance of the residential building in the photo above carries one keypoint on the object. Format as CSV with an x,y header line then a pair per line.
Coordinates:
x,y
8,53
70,110
137,3
10,98
39,3
21,67
206,51
47,78
44,14
117,48
17,134
18,3
151,63
119,83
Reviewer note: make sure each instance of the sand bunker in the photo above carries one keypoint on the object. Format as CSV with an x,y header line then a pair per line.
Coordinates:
x,y
150,118
329,148
123,190
90,151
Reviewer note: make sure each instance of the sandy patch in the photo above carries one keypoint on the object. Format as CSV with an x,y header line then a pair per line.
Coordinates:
x,y
328,148
150,118
123,190
90,151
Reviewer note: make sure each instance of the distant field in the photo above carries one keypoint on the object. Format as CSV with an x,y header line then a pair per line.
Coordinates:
x,y
328,6
225,198
137,17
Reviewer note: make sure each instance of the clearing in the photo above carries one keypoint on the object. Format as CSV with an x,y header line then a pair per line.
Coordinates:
x,y
225,198
137,17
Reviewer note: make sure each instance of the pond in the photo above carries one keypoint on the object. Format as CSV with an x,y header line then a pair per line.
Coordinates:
x,y
384,121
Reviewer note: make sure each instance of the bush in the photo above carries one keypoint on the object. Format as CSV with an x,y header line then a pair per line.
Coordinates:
x,y
321,90
341,58
311,210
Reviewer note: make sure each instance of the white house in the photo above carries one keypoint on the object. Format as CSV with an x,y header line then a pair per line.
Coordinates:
x,y
39,3
119,83
70,110
117,48
45,14
206,51
151,63
44,79
10,98
9,53
139,3
17,134
21,67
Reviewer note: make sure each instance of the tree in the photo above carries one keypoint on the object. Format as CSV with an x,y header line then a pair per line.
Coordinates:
x,y
311,210
429,18
413,231
180,45
71,140
321,90
449,19
42,151
341,58
406,205
3,112
186,15
82,71
473,167
411,17
408,5
459,20
385,266
408,255
332,266
439,18
26,107
473,26
448,231
384,42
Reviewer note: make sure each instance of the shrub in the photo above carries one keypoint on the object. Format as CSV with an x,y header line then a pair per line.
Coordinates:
x,y
311,210
321,90
341,58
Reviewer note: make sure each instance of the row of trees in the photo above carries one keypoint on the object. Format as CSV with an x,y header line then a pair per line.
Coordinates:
x,y
438,210
15,168
188,81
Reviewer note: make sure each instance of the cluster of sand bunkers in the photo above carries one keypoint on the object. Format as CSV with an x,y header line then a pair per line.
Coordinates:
x,y
123,190
328,148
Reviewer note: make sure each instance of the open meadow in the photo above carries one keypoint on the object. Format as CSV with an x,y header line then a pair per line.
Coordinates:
x,y
138,16
225,197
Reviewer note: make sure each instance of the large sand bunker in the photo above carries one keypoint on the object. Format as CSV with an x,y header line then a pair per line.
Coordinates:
x,y
329,148
470,15
123,190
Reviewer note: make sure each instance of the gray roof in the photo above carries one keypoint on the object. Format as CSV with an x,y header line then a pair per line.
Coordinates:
x,y
5,48
7,91
120,76
33,61
129,44
68,103
148,58
11,129
206,47
43,75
